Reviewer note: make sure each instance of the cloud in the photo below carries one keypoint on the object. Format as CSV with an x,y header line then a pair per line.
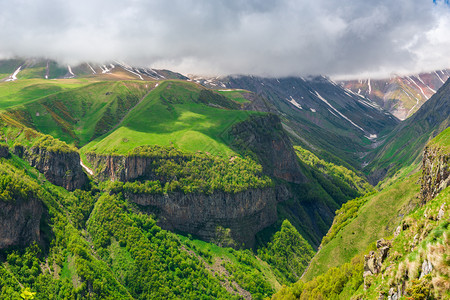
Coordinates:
x,y
262,37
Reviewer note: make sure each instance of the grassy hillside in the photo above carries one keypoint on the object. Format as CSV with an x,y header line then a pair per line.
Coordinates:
x,y
120,115
442,140
420,241
365,220
20,92
78,115
404,145
179,114
313,204
346,179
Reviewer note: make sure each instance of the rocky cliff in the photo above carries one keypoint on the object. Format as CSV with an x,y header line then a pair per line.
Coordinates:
x,y
59,167
240,215
264,136
435,172
121,168
207,215
19,222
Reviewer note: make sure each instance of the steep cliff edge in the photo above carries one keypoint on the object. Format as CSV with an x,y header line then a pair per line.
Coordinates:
x,y
211,216
264,136
412,260
214,198
201,194
20,207
59,162
19,222
60,168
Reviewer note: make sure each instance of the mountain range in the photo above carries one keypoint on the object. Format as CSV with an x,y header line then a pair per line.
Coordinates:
x,y
136,183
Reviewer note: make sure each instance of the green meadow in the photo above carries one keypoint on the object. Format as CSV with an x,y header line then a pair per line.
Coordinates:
x,y
19,92
171,115
367,225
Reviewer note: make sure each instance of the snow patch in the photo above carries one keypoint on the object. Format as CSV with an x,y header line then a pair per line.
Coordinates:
x,y
439,77
370,87
371,136
342,115
93,71
411,80
105,69
312,109
295,103
14,75
418,77
231,90
70,71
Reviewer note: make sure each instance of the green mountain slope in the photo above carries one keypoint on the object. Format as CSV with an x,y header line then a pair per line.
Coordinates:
x,y
412,259
175,113
96,245
376,216
81,114
403,147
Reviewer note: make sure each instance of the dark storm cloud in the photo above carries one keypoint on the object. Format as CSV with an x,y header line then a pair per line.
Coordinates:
x,y
266,37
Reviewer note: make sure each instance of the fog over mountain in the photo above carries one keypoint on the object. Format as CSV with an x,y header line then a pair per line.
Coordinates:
x,y
343,39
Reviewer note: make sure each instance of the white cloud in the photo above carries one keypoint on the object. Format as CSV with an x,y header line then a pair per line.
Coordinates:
x,y
266,37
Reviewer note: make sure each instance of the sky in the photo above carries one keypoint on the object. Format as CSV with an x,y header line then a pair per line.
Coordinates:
x,y
340,39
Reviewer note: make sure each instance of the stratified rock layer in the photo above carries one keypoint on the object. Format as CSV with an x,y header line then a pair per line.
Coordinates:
x,y
60,168
19,222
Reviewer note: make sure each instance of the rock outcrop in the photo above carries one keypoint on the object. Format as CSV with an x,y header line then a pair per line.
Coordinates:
x,y
118,167
240,214
435,173
265,137
374,261
4,151
61,168
19,222
244,213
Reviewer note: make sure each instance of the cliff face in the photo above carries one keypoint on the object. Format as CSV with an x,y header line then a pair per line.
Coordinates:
x,y
121,168
19,222
60,168
264,136
241,214
244,214
435,172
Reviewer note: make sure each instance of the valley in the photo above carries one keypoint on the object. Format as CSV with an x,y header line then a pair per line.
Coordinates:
x,y
121,182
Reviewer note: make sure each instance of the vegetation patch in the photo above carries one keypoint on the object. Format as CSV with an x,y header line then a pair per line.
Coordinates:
x,y
180,171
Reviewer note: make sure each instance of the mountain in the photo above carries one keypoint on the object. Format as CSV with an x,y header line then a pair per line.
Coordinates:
x,y
404,145
400,95
19,68
318,113
120,182
388,245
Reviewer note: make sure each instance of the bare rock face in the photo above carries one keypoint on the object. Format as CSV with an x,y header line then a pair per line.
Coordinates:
x,y
240,215
435,173
244,213
374,261
4,151
427,267
60,168
19,222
